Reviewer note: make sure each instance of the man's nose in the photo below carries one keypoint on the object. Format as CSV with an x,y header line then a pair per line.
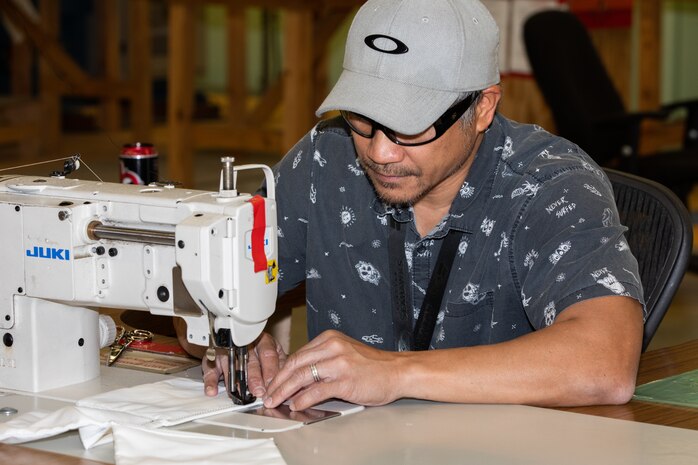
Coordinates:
x,y
384,151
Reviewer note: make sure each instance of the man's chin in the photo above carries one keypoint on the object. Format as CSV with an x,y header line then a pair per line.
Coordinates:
x,y
394,193
394,196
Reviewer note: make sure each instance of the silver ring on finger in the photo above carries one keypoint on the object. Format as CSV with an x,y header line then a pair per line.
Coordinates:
x,y
316,375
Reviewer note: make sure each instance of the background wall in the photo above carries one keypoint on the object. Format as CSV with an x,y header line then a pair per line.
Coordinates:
x,y
679,52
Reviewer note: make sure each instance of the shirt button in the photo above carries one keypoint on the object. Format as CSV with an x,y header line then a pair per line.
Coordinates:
x,y
421,248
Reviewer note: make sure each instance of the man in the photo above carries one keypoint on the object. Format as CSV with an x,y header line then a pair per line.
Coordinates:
x,y
541,304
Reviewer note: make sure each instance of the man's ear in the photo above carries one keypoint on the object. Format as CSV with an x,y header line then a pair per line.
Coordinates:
x,y
487,107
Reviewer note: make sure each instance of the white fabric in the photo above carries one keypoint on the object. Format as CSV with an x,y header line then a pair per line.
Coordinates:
x,y
144,446
164,403
41,424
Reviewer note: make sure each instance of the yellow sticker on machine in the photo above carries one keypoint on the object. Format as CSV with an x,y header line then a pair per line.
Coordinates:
x,y
272,271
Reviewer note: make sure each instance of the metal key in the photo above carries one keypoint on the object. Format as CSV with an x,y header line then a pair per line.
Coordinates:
x,y
124,340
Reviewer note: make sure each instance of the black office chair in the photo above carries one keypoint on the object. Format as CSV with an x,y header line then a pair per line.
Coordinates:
x,y
588,110
660,235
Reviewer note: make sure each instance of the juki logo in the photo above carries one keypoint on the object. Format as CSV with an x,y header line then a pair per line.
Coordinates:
x,y
249,245
49,252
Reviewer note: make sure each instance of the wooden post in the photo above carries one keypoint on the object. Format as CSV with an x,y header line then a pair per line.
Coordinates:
x,y
180,95
49,84
298,76
20,68
326,24
649,56
141,70
237,92
108,14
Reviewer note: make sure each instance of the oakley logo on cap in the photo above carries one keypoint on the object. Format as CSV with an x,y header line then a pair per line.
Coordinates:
x,y
399,49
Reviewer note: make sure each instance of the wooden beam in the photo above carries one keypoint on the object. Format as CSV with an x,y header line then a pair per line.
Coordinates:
x,y
326,24
140,45
237,90
220,135
46,43
266,105
650,14
17,132
297,76
180,93
20,68
303,5
205,135
48,82
108,13
44,37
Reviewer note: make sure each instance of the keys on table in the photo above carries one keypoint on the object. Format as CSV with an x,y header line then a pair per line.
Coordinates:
x,y
124,339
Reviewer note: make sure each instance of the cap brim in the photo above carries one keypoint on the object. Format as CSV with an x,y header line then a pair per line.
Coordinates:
x,y
401,107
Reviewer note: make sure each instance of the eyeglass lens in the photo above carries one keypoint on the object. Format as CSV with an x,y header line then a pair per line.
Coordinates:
x,y
366,128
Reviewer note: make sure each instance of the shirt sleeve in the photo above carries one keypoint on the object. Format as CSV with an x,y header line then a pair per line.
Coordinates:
x,y
292,176
569,246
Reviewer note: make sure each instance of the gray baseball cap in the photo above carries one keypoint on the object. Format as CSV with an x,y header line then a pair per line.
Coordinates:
x,y
407,61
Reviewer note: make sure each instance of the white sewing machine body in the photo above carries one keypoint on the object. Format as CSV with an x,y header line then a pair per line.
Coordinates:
x,y
69,246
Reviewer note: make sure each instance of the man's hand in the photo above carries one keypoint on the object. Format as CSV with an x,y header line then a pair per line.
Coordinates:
x,y
348,370
213,371
266,357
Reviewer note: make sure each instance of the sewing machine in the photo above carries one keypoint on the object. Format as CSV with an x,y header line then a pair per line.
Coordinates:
x,y
68,247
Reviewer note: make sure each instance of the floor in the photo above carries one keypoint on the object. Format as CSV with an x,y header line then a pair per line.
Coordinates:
x,y
100,156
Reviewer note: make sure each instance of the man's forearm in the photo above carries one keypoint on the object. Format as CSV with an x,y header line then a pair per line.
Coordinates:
x,y
588,356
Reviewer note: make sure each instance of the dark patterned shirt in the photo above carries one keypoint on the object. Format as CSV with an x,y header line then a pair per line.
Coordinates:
x,y
541,232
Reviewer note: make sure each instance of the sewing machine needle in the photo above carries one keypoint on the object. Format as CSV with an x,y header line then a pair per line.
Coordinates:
x,y
231,372
239,390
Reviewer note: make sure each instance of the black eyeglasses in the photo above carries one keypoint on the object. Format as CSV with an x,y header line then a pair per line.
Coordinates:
x,y
366,127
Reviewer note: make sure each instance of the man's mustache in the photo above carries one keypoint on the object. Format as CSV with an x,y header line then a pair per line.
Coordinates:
x,y
388,170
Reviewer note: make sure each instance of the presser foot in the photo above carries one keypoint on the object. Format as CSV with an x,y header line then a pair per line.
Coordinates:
x,y
238,389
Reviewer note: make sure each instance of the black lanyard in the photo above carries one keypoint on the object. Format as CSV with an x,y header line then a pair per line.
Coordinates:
x,y
419,339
